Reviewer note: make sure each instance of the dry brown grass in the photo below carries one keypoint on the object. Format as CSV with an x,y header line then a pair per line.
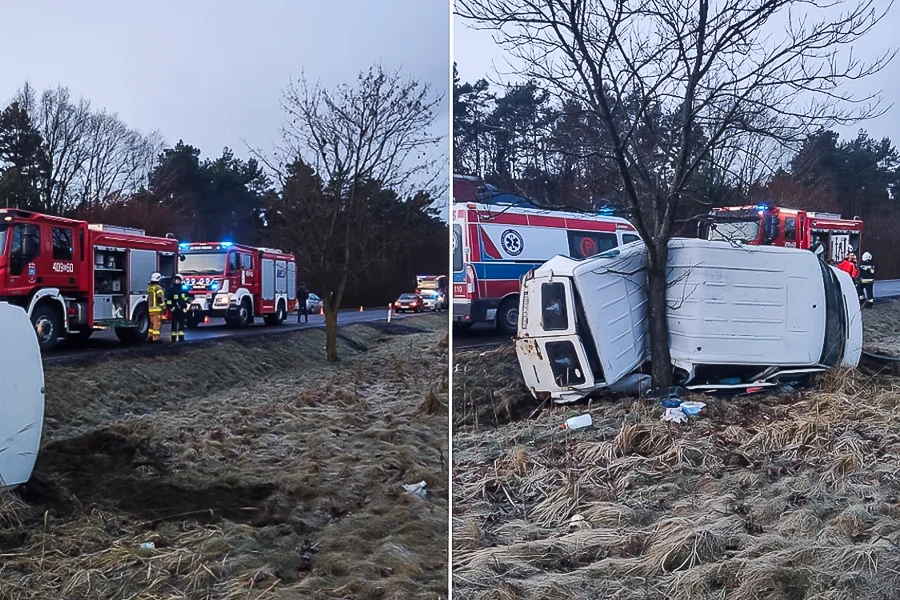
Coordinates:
x,y
255,468
783,497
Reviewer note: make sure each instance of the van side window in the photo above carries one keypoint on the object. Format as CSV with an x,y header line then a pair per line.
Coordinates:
x,y
627,238
588,243
554,312
26,246
790,229
62,243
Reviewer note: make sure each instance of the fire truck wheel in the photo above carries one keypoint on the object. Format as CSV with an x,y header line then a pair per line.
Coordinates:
x,y
277,318
245,314
508,315
133,335
46,324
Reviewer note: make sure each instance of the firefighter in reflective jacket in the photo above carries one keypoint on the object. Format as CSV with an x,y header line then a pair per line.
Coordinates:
x,y
177,302
867,281
156,298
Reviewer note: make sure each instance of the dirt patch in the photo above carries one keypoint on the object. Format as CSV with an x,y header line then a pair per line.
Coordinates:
x,y
785,497
251,469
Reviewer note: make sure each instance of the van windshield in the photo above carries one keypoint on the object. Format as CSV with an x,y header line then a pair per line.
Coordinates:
x,y
202,263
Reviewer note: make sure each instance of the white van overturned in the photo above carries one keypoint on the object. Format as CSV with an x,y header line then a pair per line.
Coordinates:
x,y
738,316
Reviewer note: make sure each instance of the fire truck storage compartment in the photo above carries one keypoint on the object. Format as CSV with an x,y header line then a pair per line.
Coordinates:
x,y
292,281
271,283
109,283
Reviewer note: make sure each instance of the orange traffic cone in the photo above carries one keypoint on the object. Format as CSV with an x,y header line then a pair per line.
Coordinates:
x,y
321,311
360,309
206,320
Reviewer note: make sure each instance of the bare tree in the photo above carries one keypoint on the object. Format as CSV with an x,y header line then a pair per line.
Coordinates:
x,y
119,159
93,155
361,141
673,81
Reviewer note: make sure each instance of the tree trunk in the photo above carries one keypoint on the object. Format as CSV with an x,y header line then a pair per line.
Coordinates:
x,y
660,358
331,327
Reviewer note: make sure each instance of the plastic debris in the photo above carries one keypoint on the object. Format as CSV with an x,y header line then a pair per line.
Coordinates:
x,y
692,408
579,522
415,488
578,422
148,546
675,415
671,403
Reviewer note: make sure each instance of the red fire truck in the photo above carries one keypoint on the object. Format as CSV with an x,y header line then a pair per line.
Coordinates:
x,y
771,225
72,277
237,282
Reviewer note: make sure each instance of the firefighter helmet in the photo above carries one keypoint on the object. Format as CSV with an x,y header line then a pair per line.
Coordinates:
x,y
177,278
155,278
867,256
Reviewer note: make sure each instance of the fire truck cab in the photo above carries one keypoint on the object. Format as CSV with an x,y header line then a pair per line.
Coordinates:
x,y
765,225
237,283
72,277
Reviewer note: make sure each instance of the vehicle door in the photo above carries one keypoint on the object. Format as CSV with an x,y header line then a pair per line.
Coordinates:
x,y
63,257
25,252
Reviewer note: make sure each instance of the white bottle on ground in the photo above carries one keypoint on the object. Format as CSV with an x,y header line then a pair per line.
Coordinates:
x,y
578,422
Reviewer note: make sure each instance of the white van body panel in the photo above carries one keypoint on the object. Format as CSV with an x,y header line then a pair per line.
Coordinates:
x,y
747,306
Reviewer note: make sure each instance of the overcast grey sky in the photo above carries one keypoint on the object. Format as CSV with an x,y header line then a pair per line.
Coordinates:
x,y
211,72
478,56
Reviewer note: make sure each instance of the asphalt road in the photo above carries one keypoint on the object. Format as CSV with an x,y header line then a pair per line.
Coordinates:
x,y
104,341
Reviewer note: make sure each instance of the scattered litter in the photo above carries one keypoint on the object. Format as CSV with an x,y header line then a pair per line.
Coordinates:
x,y
415,488
669,392
675,415
671,403
730,381
148,546
692,408
578,522
785,389
578,422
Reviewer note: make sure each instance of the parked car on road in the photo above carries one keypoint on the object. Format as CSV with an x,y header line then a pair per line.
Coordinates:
x,y
409,303
432,300
313,304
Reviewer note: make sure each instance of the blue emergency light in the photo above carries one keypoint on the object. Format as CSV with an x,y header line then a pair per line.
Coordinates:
x,y
183,246
226,244
214,285
762,207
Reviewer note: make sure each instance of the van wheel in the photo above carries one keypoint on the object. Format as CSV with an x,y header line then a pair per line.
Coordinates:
x,y
508,315
46,326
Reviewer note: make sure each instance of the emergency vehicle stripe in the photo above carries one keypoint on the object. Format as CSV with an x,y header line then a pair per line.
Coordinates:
x,y
548,221
503,271
490,250
498,289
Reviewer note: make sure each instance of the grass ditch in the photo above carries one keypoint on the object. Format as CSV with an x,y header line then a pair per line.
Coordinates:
x,y
785,497
250,468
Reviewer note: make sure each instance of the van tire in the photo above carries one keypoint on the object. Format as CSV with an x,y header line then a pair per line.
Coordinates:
x,y
508,315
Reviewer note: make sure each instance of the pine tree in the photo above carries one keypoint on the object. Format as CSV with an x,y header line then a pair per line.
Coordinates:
x,y
23,162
